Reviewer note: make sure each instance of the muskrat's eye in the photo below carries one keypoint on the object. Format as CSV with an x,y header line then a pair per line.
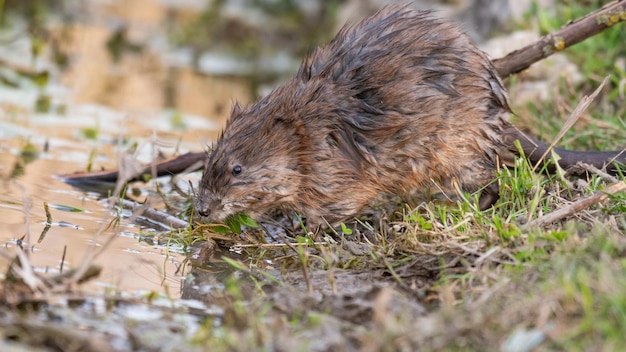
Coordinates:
x,y
236,170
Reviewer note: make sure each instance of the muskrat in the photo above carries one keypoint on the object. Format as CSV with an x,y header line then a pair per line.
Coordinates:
x,y
399,102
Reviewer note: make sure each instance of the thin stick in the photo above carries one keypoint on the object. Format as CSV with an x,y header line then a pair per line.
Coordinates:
x,y
269,245
595,170
577,206
63,259
153,214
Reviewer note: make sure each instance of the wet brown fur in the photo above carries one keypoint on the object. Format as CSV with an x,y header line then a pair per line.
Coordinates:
x,y
397,103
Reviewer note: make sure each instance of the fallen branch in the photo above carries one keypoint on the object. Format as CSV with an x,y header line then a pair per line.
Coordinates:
x,y
577,206
573,33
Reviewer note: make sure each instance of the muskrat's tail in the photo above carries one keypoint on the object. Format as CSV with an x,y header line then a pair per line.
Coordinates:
x,y
535,149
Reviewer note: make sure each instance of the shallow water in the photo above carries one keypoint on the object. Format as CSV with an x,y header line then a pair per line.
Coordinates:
x,y
98,109
129,264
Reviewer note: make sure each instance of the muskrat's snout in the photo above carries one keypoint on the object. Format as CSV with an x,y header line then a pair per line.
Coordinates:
x,y
203,211
212,207
204,205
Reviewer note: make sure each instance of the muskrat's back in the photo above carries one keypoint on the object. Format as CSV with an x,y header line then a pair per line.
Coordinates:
x,y
416,101
396,103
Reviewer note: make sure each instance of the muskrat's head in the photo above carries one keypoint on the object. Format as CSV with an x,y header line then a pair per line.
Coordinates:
x,y
253,167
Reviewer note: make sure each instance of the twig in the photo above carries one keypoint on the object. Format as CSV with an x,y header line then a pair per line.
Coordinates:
x,y
617,156
573,33
22,267
592,169
27,274
63,259
577,206
269,245
168,221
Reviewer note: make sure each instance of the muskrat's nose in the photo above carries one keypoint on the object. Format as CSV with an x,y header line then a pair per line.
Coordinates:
x,y
204,211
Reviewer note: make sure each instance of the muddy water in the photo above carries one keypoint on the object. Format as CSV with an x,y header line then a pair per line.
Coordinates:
x,y
142,100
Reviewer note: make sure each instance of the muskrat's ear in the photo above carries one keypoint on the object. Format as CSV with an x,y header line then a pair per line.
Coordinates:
x,y
278,124
283,121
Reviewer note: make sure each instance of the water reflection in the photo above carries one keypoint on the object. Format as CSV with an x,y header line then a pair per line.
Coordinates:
x,y
97,107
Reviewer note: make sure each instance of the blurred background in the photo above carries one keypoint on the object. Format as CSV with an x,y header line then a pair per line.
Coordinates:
x,y
191,56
